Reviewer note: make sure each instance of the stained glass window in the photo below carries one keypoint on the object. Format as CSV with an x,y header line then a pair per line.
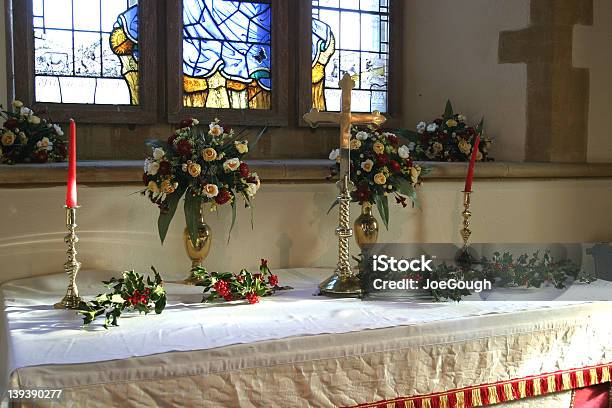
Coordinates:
x,y
350,36
86,51
227,54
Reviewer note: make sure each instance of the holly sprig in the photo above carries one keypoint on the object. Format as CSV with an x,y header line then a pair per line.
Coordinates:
x,y
533,270
229,286
131,292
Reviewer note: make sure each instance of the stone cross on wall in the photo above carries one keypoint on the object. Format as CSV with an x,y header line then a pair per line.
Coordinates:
x,y
557,93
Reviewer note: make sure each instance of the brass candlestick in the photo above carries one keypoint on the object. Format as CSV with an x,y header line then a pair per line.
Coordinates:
x,y
343,283
71,300
465,257
465,231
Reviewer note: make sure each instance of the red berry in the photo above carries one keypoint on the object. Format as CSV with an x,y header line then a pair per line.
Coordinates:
x,y
252,298
273,280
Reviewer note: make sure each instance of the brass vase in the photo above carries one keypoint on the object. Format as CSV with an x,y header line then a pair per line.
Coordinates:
x,y
366,227
198,252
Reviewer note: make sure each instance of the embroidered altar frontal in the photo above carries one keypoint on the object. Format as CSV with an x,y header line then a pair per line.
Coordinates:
x,y
294,349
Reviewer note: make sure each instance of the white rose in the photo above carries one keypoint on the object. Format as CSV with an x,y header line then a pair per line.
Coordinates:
x,y
333,155
35,120
367,165
411,146
361,136
231,164
211,190
184,167
158,153
58,130
146,165
215,129
17,103
404,152
421,127
432,127
25,111
45,144
251,189
195,122
461,118
153,168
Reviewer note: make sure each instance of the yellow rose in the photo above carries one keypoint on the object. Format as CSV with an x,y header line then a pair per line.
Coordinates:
x,y
437,147
168,187
194,169
152,186
378,148
209,154
380,178
211,190
355,144
451,123
415,173
242,147
8,138
464,146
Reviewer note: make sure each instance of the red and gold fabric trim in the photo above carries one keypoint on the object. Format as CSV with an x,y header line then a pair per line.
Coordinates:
x,y
502,391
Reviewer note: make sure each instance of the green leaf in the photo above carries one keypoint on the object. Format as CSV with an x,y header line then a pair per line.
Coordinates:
x,y
229,235
448,110
382,203
480,127
192,215
408,190
335,203
163,222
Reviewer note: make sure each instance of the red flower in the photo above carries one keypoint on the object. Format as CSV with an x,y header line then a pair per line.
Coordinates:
x,y
438,121
252,298
258,276
381,160
273,280
409,163
11,123
164,168
395,166
187,122
226,128
362,193
393,139
172,138
62,149
183,147
223,197
264,263
244,170
40,156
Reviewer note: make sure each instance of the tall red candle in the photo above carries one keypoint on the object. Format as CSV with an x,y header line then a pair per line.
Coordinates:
x,y
71,191
470,174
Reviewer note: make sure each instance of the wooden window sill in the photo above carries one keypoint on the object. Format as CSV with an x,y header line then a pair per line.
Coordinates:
x,y
289,171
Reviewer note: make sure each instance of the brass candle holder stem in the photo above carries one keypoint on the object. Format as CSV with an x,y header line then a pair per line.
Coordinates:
x,y
71,300
466,214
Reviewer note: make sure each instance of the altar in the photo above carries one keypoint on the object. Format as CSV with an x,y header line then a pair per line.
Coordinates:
x,y
298,349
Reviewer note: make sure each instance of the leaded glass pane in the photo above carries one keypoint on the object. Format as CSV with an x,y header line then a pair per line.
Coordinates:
x,y
227,54
350,36
86,51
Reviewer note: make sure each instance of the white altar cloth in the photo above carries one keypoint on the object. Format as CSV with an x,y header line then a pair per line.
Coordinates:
x,y
34,334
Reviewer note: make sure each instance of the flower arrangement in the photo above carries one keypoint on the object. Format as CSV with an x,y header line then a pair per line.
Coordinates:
x,y
128,293
204,166
380,168
26,138
242,285
448,138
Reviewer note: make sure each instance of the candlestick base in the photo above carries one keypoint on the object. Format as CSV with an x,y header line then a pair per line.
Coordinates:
x,y
71,300
343,286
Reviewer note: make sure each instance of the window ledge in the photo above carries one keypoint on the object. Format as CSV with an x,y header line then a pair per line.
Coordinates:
x,y
289,171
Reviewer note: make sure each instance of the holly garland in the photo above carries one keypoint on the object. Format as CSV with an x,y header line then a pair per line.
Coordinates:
x,y
129,293
228,286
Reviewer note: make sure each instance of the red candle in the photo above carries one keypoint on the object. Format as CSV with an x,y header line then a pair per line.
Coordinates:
x,y
470,174
71,191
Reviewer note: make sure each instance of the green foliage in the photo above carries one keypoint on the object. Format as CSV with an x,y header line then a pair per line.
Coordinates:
x,y
507,270
165,217
131,292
